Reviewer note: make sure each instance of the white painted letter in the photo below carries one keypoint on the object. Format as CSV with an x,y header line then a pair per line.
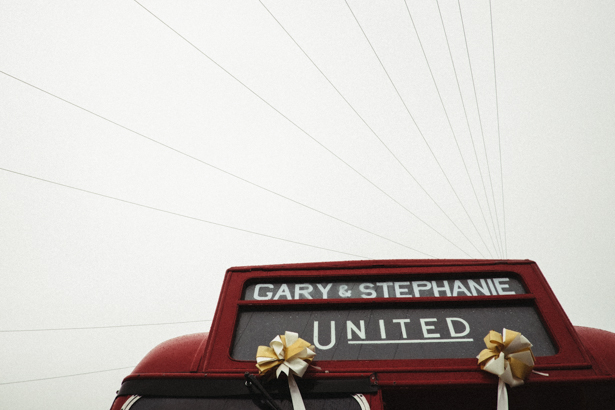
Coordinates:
x,y
458,287
473,286
369,289
383,333
418,288
402,292
283,291
436,289
426,328
490,282
351,327
324,290
267,294
500,286
403,326
331,344
303,289
451,328
385,287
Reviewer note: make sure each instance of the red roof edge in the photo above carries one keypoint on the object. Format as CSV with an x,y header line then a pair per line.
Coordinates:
x,y
601,345
175,355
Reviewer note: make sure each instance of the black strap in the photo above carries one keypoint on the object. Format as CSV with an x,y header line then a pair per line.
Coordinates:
x,y
251,380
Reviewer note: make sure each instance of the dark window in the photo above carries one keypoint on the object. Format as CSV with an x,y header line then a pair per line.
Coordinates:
x,y
390,333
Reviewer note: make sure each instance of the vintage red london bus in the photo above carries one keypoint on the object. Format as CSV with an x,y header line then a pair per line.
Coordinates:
x,y
387,335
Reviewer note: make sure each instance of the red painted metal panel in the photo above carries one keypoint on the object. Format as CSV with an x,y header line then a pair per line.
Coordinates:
x,y
176,355
601,345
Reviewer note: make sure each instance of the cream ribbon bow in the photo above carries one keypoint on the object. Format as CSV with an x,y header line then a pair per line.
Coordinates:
x,y
287,354
508,356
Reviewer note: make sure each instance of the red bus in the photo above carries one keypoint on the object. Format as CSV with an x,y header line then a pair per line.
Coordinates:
x,y
394,334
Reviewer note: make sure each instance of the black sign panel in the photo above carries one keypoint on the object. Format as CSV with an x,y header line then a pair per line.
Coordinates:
x,y
389,334
493,286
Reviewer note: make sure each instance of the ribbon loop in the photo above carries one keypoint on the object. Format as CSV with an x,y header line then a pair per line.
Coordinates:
x,y
509,356
288,354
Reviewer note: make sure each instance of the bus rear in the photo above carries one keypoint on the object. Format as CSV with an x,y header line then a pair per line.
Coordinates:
x,y
398,334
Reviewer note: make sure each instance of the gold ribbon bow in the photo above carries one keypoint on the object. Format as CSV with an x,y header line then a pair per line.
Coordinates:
x,y
508,356
287,354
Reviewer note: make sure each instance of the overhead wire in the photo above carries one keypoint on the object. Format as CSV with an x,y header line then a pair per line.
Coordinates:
x,y
299,127
215,167
465,111
103,327
184,216
497,112
369,127
256,233
417,127
66,375
433,78
465,38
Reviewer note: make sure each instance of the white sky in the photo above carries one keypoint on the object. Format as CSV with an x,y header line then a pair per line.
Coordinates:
x,y
72,259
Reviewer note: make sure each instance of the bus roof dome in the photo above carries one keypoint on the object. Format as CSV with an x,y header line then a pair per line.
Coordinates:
x,y
181,354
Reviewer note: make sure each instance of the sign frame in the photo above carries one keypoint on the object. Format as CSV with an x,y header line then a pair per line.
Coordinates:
x,y
570,353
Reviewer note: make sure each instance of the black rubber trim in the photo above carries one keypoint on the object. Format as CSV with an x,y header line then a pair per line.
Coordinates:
x,y
204,387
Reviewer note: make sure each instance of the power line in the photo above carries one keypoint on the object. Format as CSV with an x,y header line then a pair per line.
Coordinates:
x,y
300,128
497,113
182,215
465,38
67,375
369,127
416,125
213,166
450,125
102,327
465,112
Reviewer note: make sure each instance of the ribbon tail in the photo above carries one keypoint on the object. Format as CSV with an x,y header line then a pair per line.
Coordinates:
x,y
502,396
295,394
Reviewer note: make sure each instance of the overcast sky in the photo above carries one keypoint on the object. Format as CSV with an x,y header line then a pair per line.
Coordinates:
x,y
137,165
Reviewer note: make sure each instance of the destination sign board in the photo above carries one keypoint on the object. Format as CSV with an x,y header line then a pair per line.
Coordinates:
x,y
389,333
388,315
399,288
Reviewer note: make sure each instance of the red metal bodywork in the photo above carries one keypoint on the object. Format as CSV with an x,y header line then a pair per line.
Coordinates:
x,y
581,373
